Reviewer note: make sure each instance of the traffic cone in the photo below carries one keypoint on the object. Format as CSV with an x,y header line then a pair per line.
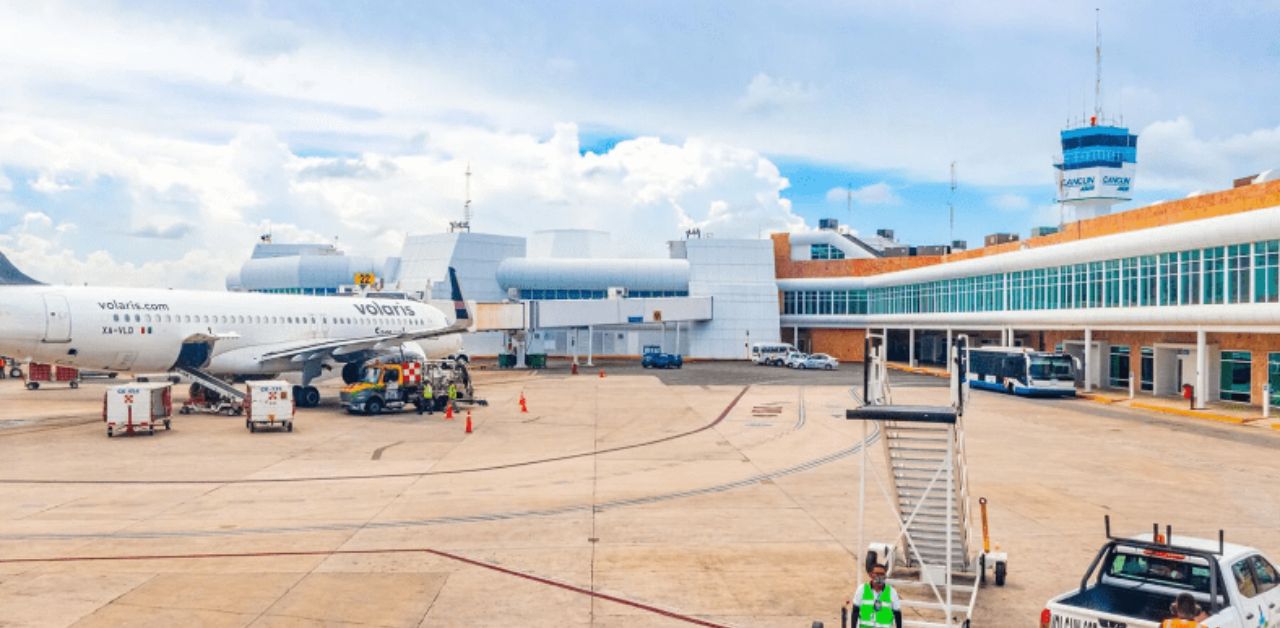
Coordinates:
x,y
601,373
468,421
524,408
574,369
448,412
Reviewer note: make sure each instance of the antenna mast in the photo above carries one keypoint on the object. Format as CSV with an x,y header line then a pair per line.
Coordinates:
x,y
951,208
849,199
1097,52
465,223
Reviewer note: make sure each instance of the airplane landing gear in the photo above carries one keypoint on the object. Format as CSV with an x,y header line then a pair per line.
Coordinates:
x,y
306,396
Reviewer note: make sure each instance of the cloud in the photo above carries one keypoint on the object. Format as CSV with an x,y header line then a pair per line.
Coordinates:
x,y
5,184
49,184
175,231
1172,155
766,94
1009,202
873,194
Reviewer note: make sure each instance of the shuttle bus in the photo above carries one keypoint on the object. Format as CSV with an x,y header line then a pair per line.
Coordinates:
x,y
1022,371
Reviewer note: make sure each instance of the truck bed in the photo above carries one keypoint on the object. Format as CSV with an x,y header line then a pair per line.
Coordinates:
x,y
1135,604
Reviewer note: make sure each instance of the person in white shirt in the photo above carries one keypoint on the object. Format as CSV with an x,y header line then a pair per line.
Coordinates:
x,y
877,604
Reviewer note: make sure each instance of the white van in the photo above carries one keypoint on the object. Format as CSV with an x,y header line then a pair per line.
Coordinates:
x,y
770,353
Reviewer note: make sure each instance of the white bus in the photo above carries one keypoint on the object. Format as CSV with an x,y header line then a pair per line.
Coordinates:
x,y
770,353
1022,371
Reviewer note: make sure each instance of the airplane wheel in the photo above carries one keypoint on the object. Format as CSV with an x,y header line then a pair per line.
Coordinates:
x,y
310,397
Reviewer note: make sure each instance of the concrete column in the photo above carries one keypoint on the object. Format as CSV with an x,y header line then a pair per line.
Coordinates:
x,y
1088,363
574,341
911,347
591,340
1202,370
948,352
677,351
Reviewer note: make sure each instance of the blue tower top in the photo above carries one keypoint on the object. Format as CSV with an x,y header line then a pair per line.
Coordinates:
x,y
1093,146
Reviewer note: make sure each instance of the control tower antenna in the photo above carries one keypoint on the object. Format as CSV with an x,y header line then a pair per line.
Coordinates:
x,y
1097,54
951,207
849,199
465,223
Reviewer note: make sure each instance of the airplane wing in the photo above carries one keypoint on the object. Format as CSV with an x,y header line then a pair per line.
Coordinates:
x,y
305,349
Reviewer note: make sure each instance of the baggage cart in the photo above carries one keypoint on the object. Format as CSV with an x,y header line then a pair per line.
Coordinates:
x,y
269,403
51,373
137,407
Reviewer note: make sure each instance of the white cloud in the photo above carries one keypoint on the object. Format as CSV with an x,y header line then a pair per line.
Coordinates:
x,y
872,194
766,94
1009,202
49,184
5,184
1172,155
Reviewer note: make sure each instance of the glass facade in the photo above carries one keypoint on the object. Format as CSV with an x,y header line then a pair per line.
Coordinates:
x,y
1240,273
561,295
825,251
1273,377
1119,377
1237,374
1146,379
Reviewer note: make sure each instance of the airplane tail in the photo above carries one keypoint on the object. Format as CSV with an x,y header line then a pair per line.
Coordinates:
x,y
11,276
461,313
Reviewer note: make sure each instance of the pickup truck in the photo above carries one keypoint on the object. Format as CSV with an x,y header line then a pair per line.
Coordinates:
x,y
1138,577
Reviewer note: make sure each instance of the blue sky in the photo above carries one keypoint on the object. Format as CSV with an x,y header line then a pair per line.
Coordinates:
x,y
152,141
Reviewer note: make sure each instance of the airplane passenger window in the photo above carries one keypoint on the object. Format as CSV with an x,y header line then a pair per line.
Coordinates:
x,y
115,317
148,318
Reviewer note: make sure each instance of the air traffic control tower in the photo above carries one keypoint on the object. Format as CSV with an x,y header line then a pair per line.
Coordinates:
x,y
1097,168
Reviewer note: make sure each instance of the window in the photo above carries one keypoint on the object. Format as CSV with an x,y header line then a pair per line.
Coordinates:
x,y
1147,377
1119,377
1129,282
1243,572
1168,283
1264,574
1214,279
1111,296
115,317
1266,283
1236,376
1189,268
1094,298
1273,377
1238,288
824,251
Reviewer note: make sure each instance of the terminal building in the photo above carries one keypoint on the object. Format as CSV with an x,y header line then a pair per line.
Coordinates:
x,y
1178,293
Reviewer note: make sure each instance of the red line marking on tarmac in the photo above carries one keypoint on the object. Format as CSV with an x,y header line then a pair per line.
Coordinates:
x,y
423,550
334,478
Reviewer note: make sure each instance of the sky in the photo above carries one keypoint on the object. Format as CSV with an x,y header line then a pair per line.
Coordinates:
x,y
151,143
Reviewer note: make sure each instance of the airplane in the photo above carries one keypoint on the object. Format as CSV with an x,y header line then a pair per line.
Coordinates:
x,y
215,336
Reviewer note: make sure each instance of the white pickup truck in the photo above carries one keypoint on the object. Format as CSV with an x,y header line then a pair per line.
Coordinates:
x,y
1137,579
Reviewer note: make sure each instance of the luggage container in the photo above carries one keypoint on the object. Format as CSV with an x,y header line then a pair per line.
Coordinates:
x,y
37,373
137,407
268,403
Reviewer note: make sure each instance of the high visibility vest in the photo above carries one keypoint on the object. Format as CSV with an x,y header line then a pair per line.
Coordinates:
x,y
868,616
426,392
453,391
1180,623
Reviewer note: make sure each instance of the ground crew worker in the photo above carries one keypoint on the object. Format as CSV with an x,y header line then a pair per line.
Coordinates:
x,y
428,400
453,395
1186,613
877,605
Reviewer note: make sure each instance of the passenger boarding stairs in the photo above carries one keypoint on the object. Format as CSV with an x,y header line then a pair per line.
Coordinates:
x,y
931,496
218,385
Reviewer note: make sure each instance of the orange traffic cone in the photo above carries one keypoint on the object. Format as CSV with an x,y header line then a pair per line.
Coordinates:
x,y
468,421
574,369
524,408
448,412
601,373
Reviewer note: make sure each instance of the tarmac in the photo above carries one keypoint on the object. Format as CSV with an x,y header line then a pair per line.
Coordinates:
x,y
719,494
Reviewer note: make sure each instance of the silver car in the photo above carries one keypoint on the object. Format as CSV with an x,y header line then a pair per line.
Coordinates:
x,y
820,361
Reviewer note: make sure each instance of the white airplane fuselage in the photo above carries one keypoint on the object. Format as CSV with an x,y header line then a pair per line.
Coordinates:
x,y
144,330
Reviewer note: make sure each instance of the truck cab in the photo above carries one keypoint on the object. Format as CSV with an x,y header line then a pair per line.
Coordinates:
x,y
382,387
1134,580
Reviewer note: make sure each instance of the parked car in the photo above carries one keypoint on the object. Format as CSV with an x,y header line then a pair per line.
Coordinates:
x,y
659,360
820,361
794,359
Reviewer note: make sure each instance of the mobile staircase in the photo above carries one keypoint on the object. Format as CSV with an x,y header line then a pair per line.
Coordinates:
x,y
934,560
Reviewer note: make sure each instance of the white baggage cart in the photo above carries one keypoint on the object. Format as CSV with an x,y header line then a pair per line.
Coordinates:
x,y
269,403
137,407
